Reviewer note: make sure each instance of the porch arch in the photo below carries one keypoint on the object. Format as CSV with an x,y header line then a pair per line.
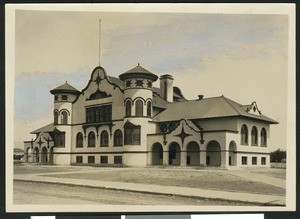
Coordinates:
x,y
232,154
157,154
44,155
193,154
51,155
36,155
174,154
213,154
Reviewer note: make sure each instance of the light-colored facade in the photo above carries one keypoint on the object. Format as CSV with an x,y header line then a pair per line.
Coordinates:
x,y
126,121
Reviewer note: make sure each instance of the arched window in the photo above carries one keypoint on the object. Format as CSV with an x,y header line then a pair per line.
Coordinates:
x,y
104,139
79,140
91,139
244,134
149,108
118,138
254,136
139,108
64,117
55,118
263,137
128,108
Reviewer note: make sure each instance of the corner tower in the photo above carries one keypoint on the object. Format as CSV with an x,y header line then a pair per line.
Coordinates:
x,y
138,102
64,95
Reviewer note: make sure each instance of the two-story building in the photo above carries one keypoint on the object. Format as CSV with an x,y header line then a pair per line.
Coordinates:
x,y
126,121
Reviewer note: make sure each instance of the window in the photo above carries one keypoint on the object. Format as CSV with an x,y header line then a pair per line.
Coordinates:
x,y
117,159
91,159
79,140
244,161
64,97
104,139
139,108
132,135
254,160
98,114
118,138
244,134
59,139
78,159
263,137
56,98
91,139
55,118
103,159
149,108
128,108
64,117
263,161
254,136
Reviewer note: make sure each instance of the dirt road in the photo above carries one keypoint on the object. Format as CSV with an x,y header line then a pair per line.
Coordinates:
x,y
50,194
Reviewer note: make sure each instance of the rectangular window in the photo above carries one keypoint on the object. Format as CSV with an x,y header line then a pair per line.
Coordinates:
x,y
103,159
254,160
91,159
244,161
59,139
78,159
117,159
263,161
133,135
99,114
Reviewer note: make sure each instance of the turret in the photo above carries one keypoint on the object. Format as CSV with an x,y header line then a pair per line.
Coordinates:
x,y
138,92
64,95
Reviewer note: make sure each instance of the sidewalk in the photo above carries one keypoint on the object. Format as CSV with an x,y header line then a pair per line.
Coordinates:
x,y
259,178
157,189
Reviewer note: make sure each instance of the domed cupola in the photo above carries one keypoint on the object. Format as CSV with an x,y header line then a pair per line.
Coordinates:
x,y
138,77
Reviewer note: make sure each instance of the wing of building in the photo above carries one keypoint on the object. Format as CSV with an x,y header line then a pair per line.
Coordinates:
x,y
127,121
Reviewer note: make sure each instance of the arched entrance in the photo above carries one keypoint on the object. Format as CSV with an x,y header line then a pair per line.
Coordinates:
x,y
44,155
26,155
193,154
232,153
157,154
36,155
213,154
51,155
174,154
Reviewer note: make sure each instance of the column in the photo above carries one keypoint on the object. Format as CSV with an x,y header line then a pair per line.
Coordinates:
x,y
165,158
202,158
40,157
183,158
224,159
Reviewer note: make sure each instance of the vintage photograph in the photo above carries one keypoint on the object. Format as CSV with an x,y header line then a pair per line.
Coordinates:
x,y
150,107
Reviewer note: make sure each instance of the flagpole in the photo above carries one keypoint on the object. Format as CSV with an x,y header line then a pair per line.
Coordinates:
x,y
99,42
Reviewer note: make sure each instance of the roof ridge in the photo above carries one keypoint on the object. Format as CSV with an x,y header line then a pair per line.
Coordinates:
x,y
227,101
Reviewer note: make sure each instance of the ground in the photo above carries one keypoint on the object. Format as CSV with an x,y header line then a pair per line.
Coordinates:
x,y
209,179
61,194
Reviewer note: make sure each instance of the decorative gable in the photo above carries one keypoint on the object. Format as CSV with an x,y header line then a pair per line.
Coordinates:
x,y
252,108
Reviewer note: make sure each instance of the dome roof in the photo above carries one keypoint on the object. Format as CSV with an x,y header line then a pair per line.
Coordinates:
x,y
65,88
138,72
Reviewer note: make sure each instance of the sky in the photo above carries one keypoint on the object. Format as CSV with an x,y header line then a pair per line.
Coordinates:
x,y
241,56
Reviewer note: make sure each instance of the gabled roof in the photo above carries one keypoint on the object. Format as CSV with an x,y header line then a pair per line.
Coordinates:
x,y
65,88
206,108
47,128
116,81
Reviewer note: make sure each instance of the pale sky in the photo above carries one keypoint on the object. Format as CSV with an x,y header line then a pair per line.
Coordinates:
x,y
243,57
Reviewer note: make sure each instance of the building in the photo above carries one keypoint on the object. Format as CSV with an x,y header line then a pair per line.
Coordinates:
x,y
126,121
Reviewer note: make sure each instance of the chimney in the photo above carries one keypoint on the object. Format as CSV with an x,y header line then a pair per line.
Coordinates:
x,y
166,87
200,97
